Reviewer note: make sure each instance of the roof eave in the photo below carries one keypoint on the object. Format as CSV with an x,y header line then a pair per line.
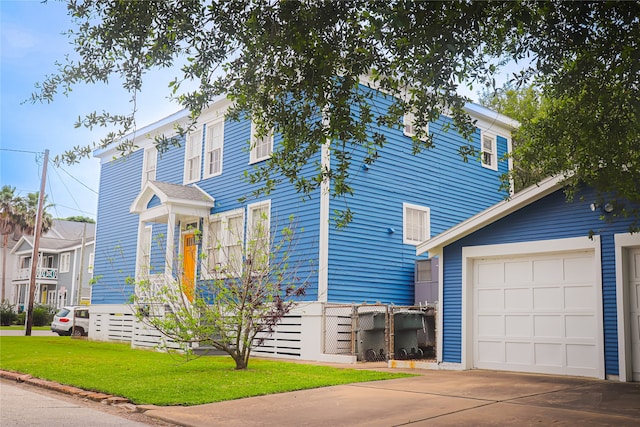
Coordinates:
x,y
491,214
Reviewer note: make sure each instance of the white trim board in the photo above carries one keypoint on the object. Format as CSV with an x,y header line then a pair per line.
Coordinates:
x,y
623,242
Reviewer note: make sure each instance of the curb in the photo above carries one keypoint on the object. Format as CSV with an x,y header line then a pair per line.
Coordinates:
x,y
107,399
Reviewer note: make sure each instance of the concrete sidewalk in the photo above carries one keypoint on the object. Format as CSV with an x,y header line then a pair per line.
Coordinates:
x,y
479,398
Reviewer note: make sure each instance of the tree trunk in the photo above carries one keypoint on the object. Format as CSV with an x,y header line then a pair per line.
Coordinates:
x,y
241,363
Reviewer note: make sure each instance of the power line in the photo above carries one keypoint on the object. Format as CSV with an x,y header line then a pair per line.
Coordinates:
x,y
76,179
77,210
21,151
67,188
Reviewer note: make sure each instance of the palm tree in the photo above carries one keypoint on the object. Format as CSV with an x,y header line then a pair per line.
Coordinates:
x,y
8,225
28,212
17,217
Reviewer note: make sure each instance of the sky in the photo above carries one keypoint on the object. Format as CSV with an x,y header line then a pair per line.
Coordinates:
x,y
32,40
31,43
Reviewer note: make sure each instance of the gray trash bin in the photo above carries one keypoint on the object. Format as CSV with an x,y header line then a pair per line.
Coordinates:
x,y
370,336
406,325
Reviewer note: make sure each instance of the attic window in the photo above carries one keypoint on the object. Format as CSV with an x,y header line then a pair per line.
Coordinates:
x,y
489,152
409,127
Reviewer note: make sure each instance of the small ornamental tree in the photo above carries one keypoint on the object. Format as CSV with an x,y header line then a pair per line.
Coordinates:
x,y
244,287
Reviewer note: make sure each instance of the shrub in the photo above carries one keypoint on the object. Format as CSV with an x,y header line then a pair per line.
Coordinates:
x,y
42,315
7,314
21,318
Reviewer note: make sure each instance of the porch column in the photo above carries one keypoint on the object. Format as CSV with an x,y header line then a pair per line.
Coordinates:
x,y
169,254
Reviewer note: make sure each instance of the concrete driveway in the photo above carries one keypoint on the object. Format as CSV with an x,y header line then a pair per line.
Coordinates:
x,y
436,398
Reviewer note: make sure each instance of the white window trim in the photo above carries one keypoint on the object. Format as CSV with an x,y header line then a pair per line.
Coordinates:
x,y
223,217
198,149
65,262
493,153
425,209
251,208
253,155
257,205
408,128
148,153
208,126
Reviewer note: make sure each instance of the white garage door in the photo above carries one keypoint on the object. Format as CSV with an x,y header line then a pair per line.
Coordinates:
x,y
538,314
634,310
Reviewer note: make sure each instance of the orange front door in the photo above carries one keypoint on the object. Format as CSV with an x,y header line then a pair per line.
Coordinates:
x,y
189,264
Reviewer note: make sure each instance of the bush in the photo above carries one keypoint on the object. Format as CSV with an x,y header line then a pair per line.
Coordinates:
x,y
42,315
7,314
21,318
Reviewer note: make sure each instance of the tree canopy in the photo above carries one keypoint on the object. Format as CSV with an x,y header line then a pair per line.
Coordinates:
x,y
295,67
80,218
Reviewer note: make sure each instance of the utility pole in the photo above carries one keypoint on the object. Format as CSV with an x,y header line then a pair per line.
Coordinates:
x,y
36,246
80,278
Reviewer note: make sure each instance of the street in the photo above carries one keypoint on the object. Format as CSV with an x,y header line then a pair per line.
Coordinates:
x,y
24,405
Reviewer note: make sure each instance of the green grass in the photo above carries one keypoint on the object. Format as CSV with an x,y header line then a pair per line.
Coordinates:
x,y
151,377
21,328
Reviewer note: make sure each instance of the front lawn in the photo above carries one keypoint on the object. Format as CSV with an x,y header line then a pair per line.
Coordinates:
x,y
150,377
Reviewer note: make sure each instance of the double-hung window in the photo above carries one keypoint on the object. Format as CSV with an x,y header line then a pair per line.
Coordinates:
x,y
65,261
214,137
261,145
489,152
223,245
149,164
416,223
258,239
193,152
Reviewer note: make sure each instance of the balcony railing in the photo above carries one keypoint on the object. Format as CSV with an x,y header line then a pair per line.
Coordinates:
x,y
41,273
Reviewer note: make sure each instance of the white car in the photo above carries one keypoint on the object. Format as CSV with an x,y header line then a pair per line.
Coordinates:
x,y
71,321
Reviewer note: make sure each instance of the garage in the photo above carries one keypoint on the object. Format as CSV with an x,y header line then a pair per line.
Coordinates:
x,y
633,293
537,314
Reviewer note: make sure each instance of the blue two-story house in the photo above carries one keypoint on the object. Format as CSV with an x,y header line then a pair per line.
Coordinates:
x,y
399,201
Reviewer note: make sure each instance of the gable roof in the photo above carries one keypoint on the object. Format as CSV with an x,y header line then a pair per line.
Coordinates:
x,y
491,214
174,198
71,230
62,236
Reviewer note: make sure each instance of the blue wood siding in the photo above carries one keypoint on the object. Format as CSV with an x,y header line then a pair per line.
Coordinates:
x,y
549,218
366,262
117,229
231,185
